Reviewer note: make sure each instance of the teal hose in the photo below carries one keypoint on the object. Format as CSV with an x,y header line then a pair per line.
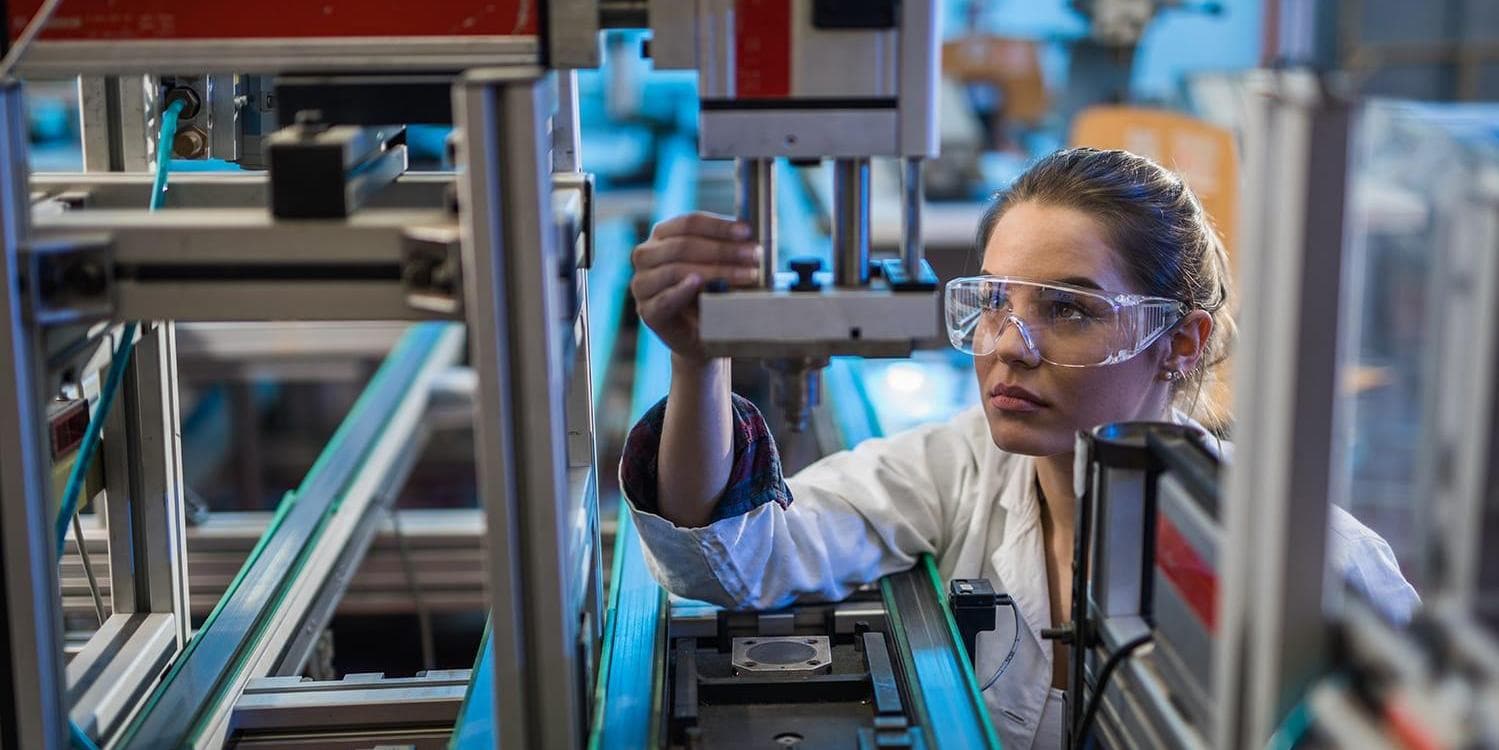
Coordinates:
x,y
164,153
90,446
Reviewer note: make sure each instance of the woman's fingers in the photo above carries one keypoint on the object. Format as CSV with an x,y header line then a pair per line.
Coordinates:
x,y
649,283
702,224
674,300
694,249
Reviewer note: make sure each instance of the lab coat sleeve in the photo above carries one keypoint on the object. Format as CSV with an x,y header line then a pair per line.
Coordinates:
x,y
843,522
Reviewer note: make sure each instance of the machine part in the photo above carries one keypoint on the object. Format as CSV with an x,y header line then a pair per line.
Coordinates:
x,y
257,120
1145,493
176,713
972,602
798,388
190,143
854,14
117,666
367,100
873,322
851,223
520,345
72,279
894,273
789,653
754,195
233,264
32,686
319,171
431,272
192,102
806,270
1272,636
414,712
124,37
944,699
913,200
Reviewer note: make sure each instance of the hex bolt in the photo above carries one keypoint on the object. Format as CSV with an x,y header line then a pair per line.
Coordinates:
x,y
191,143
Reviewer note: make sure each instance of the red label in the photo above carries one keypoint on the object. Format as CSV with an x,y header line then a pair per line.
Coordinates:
x,y
1189,574
762,49
301,19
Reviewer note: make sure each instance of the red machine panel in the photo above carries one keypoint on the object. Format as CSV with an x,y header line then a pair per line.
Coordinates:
x,y
301,19
762,47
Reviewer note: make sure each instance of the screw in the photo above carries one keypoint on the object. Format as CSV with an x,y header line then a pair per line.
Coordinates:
x,y
190,143
751,664
810,641
750,643
813,662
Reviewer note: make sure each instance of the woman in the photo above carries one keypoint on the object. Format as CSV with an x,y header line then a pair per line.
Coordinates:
x,y
1103,298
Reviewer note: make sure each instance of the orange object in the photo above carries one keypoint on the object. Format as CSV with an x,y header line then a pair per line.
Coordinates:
x,y
1011,65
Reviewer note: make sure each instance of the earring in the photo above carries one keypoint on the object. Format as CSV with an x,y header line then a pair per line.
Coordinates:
x,y
1172,376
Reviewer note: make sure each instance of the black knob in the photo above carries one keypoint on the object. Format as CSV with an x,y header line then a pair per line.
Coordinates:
x,y
806,270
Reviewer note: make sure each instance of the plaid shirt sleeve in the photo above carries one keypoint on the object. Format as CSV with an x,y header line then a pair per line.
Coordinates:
x,y
754,480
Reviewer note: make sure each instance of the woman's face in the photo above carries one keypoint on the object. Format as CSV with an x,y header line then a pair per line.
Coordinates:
x,y
1034,407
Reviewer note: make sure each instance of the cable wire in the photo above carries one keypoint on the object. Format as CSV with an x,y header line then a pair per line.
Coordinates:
x,y
33,29
1096,699
423,616
164,140
90,445
1014,645
88,569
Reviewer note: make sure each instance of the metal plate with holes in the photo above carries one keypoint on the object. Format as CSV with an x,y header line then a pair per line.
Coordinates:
x,y
811,654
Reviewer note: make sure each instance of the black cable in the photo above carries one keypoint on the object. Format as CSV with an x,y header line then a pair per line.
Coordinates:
x,y
1096,699
1005,600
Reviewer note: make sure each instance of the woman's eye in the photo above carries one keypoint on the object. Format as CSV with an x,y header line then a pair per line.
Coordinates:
x,y
1068,312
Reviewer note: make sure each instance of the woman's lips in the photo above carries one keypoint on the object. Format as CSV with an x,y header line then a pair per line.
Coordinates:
x,y
1013,398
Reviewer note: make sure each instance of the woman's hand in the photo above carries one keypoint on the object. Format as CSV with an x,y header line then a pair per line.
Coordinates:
x,y
682,255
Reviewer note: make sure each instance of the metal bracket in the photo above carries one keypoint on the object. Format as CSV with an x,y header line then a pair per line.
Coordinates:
x,y
432,271
70,279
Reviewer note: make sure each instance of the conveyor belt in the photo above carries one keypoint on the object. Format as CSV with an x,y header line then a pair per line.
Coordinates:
x,y
175,714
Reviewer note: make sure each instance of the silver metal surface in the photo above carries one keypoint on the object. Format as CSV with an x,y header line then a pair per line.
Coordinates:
x,y
573,34
223,117
117,667
148,546
869,322
511,290
567,135
797,387
1279,483
851,223
258,342
920,78
30,631
267,56
1118,574
811,654
117,122
913,202
291,705
832,133
754,200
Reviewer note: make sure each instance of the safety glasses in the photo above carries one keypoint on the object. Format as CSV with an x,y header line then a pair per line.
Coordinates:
x,y
1062,324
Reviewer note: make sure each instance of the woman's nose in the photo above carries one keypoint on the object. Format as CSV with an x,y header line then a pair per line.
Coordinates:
x,y
1016,346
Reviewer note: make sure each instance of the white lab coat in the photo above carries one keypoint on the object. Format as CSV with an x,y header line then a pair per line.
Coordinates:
x,y
942,489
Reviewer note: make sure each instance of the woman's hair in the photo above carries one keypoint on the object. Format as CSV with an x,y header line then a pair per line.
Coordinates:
x,y
1166,241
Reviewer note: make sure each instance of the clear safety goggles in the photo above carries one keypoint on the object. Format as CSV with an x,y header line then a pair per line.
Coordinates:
x,y
1063,324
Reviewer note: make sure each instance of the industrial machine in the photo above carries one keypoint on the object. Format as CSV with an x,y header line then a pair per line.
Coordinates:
x,y
106,271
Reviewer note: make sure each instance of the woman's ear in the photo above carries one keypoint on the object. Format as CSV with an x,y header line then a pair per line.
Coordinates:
x,y
1187,342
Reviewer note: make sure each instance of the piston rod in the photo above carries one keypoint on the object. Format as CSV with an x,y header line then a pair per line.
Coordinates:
x,y
851,222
